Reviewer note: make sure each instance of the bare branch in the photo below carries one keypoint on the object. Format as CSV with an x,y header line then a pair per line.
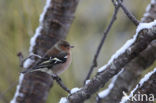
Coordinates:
x,y
94,62
20,56
61,84
128,13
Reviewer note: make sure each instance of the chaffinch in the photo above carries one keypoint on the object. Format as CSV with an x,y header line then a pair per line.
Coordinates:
x,y
55,61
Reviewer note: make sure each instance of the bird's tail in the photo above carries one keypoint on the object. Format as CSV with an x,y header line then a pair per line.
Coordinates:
x,y
35,68
27,71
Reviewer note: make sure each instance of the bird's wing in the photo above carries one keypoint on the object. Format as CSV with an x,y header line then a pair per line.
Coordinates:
x,y
49,62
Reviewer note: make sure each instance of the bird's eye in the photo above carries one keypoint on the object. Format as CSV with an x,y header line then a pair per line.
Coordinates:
x,y
66,45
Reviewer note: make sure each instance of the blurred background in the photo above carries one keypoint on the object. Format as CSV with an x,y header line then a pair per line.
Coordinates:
x,y
20,18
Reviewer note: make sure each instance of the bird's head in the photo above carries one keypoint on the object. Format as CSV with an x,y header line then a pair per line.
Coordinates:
x,y
63,45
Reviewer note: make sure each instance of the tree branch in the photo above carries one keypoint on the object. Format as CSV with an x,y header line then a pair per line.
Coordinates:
x,y
55,22
94,62
132,72
150,14
128,13
142,39
146,87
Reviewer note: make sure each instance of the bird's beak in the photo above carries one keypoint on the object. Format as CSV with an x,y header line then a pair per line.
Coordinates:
x,y
71,46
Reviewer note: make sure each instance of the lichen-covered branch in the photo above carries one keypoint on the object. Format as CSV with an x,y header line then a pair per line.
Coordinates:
x,y
55,22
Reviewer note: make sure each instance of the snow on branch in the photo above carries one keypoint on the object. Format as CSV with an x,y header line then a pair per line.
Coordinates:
x,y
128,43
145,33
128,78
64,100
29,61
150,14
17,93
142,81
54,25
105,92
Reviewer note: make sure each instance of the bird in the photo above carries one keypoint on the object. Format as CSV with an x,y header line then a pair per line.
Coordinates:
x,y
55,61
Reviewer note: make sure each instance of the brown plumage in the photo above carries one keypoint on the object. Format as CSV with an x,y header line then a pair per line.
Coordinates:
x,y
55,61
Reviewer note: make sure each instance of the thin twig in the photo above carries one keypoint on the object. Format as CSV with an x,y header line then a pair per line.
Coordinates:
x,y
128,13
20,56
94,63
61,84
115,3
22,59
